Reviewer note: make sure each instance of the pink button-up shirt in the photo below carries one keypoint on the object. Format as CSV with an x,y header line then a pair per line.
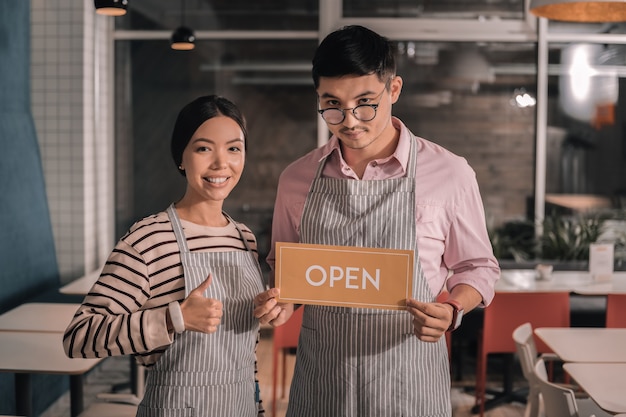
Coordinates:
x,y
452,239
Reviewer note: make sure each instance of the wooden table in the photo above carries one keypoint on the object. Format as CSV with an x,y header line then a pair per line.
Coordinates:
x,y
25,353
82,285
585,344
38,317
604,382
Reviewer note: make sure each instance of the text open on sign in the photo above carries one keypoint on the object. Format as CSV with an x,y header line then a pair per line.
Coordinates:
x,y
343,276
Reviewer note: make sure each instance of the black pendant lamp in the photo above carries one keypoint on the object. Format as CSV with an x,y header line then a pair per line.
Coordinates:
x,y
111,7
183,38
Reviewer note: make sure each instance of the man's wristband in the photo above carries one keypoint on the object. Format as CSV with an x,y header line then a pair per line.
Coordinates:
x,y
457,314
176,315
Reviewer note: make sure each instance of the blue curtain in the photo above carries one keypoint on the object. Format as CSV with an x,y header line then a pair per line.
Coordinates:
x,y
27,253
28,264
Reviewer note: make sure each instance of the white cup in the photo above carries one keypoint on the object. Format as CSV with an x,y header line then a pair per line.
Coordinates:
x,y
544,271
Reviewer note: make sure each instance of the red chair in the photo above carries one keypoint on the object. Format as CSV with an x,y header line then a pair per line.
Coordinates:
x,y
616,310
285,338
507,311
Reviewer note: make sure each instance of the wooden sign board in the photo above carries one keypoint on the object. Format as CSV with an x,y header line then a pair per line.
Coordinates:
x,y
344,276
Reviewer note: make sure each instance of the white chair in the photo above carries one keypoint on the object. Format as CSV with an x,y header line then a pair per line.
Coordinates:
x,y
528,356
559,401
506,312
523,337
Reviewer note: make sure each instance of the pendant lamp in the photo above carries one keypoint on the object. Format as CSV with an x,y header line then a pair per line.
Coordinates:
x,y
183,38
111,7
580,11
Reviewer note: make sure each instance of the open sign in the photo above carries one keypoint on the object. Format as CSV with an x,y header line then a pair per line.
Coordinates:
x,y
344,276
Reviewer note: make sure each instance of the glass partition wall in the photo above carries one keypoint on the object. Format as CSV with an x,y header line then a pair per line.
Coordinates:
x,y
480,78
583,136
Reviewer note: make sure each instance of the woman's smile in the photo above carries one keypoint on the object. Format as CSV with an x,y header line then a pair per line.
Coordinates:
x,y
216,180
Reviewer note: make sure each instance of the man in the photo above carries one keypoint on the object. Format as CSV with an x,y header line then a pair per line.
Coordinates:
x,y
375,184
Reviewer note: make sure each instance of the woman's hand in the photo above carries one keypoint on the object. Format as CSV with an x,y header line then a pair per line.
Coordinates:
x,y
200,313
269,311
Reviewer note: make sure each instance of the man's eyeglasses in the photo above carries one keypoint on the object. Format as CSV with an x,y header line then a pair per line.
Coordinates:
x,y
362,112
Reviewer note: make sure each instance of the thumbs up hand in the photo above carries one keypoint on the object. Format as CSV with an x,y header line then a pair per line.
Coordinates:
x,y
201,314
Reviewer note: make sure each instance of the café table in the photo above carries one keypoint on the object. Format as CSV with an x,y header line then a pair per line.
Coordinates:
x,y
579,282
616,285
32,352
82,285
38,317
585,344
604,382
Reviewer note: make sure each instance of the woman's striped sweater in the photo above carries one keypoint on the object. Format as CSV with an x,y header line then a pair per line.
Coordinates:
x,y
125,311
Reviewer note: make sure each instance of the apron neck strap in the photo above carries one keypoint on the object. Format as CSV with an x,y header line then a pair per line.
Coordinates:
x,y
243,238
178,228
180,235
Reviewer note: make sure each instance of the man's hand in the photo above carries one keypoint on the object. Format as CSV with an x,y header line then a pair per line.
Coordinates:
x,y
430,320
202,314
270,311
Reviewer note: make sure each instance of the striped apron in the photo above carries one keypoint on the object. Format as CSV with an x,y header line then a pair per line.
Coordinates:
x,y
366,362
210,374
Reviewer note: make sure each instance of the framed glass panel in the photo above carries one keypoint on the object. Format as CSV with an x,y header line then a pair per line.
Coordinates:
x,y
436,9
269,81
477,100
586,141
466,96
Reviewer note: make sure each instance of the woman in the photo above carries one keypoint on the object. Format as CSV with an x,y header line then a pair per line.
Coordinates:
x,y
177,289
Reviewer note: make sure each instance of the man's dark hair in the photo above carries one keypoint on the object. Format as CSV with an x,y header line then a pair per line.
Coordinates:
x,y
354,50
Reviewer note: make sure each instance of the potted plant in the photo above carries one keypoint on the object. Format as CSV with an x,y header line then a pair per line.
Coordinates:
x,y
567,238
564,242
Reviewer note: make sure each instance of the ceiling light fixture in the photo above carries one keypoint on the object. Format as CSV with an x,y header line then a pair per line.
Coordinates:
x,y
469,67
111,7
580,11
183,38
